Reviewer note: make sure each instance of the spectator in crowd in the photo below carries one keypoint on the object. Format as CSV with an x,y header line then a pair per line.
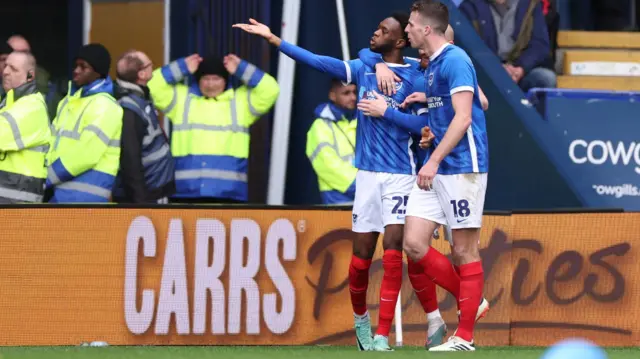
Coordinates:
x,y
19,43
85,157
517,32
147,168
5,50
331,144
24,132
210,123
43,83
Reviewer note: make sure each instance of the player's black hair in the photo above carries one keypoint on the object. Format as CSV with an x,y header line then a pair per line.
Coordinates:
x,y
335,84
403,19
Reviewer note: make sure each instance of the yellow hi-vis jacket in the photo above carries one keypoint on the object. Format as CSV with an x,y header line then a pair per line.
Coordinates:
x,y
85,153
331,149
24,143
210,136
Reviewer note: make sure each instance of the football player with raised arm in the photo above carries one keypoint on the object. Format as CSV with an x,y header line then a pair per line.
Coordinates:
x,y
386,158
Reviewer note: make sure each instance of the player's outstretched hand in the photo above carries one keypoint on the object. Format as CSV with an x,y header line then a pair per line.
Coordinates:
x,y
427,174
256,28
427,137
387,79
416,97
373,108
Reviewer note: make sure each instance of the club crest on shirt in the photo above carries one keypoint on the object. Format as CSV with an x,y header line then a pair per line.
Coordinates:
x,y
398,86
369,95
430,78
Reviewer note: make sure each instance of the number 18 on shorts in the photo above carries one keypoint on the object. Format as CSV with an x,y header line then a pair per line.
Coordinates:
x,y
455,200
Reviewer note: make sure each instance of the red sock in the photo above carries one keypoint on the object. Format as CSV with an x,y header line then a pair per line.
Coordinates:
x,y
457,269
440,271
424,287
471,286
358,283
389,289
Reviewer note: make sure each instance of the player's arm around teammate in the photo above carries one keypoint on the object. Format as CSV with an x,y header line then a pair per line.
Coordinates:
x,y
387,79
378,108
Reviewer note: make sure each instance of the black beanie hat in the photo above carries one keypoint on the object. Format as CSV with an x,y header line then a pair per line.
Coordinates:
x,y
97,56
211,66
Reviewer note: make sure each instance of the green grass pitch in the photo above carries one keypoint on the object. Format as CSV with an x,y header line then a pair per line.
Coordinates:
x,y
308,352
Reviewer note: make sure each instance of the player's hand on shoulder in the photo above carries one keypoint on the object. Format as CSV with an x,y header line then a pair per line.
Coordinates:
x,y
427,137
416,97
387,79
375,107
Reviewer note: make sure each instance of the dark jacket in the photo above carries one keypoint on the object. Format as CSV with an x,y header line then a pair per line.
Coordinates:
x,y
537,52
552,17
137,182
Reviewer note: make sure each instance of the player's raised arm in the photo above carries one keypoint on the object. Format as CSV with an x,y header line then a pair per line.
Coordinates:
x,y
337,68
370,58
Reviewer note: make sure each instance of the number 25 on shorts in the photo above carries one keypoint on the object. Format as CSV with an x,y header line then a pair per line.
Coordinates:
x,y
401,204
460,208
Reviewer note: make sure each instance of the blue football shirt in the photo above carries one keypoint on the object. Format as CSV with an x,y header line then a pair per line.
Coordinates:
x,y
382,146
451,71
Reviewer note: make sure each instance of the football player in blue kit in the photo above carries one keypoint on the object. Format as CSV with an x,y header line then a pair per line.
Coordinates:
x,y
386,158
425,289
451,185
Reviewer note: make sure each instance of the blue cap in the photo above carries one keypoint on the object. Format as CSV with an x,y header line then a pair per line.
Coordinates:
x,y
575,349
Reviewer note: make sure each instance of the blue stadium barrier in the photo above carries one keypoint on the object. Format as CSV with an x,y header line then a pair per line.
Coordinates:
x,y
593,139
522,173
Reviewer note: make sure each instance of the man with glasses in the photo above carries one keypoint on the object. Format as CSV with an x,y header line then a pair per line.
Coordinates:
x,y
147,169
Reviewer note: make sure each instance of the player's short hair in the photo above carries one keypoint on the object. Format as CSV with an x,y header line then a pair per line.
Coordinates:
x,y
436,12
128,66
403,19
336,84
